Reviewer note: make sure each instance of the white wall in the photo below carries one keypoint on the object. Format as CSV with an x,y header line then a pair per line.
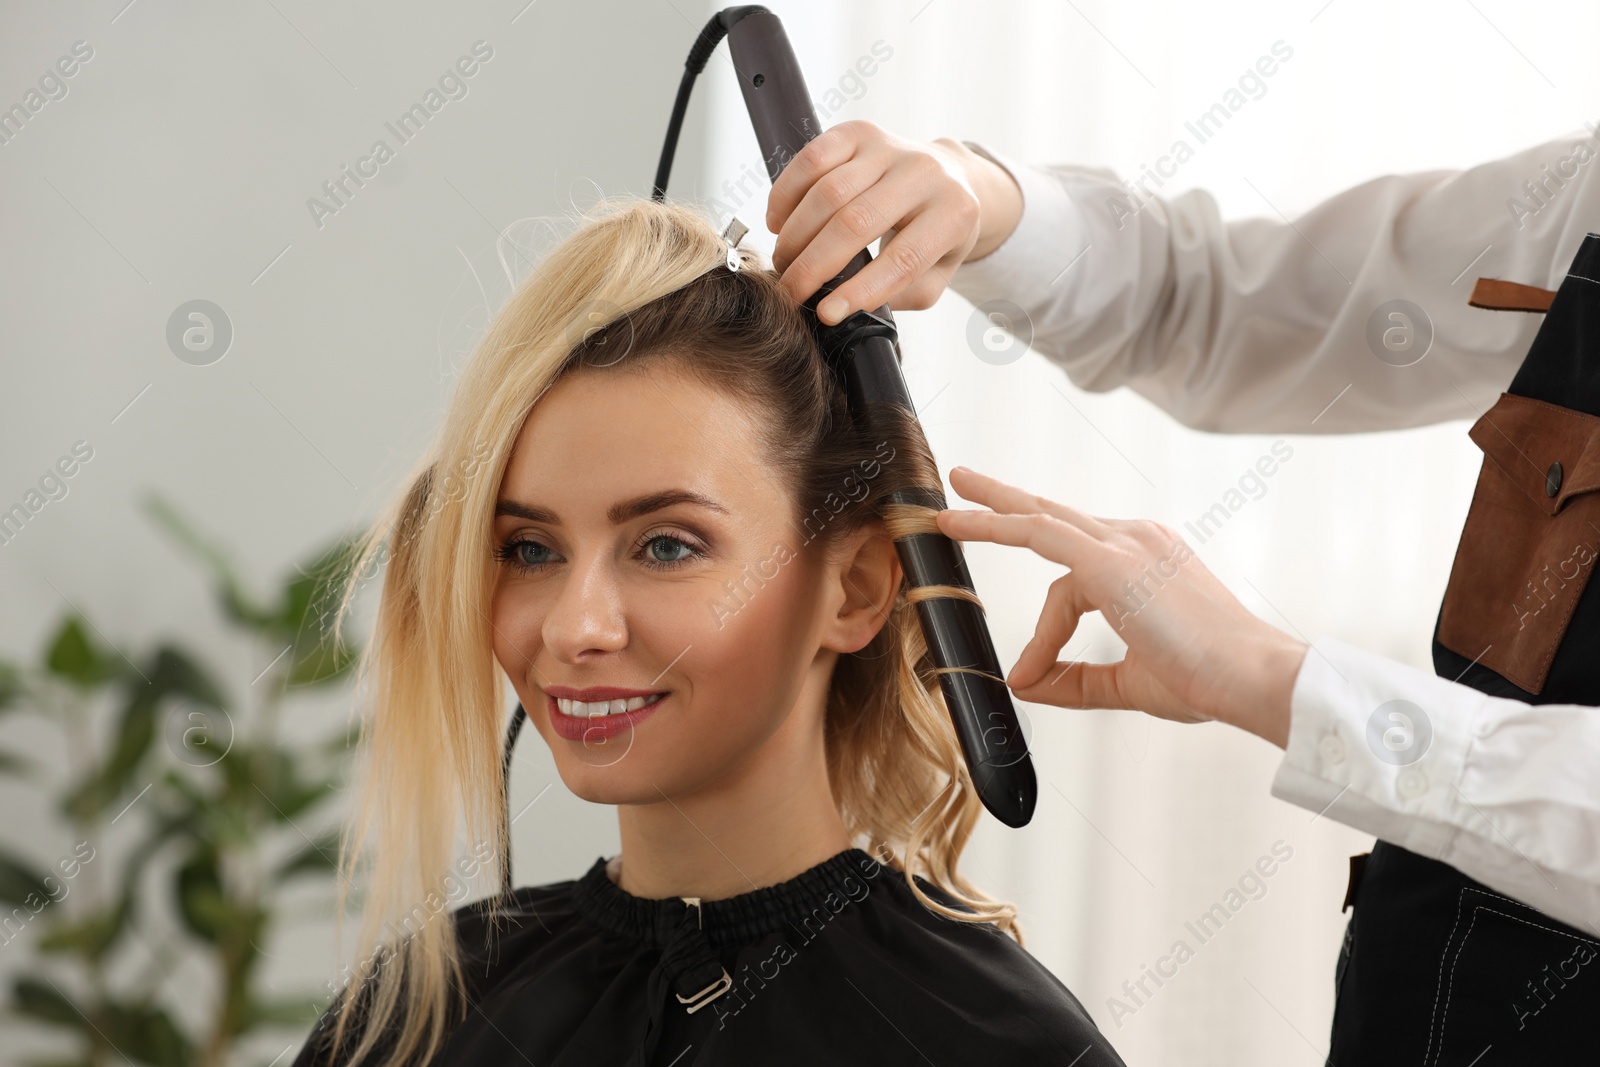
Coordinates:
x,y
178,167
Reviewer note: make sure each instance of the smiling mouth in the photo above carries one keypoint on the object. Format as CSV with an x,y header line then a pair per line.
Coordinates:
x,y
600,709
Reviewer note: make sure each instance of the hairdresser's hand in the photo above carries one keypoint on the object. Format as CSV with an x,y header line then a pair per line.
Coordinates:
x,y
1194,652
942,203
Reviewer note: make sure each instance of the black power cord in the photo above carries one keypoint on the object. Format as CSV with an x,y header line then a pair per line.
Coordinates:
x,y
704,45
517,719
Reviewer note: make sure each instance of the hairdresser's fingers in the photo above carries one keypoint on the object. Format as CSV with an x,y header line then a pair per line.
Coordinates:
x,y
1122,686
1039,677
913,267
1058,621
1048,536
839,194
830,149
1006,498
861,201
1072,684
854,189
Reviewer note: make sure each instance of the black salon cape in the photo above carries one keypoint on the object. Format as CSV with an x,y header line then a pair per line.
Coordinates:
x,y
839,965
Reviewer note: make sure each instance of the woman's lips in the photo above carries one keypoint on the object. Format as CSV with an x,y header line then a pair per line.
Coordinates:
x,y
600,727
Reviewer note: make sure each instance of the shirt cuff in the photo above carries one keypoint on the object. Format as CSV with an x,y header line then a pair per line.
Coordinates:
x,y
1377,745
1051,231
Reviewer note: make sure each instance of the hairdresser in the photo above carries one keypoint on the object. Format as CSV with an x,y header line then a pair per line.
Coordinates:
x,y
1483,782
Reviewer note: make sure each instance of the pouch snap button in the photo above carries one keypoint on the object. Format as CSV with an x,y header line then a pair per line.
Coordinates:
x,y
1552,479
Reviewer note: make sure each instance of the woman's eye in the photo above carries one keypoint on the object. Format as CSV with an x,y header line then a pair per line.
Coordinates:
x,y
660,549
528,553
524,554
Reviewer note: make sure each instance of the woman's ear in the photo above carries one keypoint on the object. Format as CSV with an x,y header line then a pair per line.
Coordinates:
x,y
868,577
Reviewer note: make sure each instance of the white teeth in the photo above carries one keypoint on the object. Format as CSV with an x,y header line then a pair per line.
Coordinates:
x,y
599,708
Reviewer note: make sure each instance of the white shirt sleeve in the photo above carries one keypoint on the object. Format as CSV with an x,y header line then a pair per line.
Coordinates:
x,y
1505,792
1262,324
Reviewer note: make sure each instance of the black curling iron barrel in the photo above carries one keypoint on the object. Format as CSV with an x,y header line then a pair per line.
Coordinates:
x,y
863,350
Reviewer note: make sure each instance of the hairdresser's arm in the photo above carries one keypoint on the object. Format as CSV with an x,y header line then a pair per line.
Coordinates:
x,y
1505,792
1261,324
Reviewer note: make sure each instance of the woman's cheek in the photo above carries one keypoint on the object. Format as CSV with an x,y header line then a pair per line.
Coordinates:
x,y
516,618
753,648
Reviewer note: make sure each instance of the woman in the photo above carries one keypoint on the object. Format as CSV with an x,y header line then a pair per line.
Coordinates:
x,y
679,553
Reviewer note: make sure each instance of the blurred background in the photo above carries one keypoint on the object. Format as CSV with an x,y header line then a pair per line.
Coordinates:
x,y
172,741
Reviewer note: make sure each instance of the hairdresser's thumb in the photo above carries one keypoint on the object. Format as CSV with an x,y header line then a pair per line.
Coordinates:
x,y
1029,668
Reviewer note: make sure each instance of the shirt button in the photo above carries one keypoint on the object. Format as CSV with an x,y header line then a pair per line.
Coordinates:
x,y
1411,783
1552,479
1332,748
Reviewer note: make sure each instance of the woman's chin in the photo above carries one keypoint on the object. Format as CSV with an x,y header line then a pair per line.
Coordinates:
x,y
588,776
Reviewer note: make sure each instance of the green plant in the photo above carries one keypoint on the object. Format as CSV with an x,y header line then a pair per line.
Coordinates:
x,y
194,790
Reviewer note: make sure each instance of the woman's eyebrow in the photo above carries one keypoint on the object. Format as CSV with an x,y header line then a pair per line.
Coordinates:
x,y
618,513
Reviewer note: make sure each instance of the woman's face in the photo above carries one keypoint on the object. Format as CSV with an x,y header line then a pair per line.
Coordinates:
x,y
644,546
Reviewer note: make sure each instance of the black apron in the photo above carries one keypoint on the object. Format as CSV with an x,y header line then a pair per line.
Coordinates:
x,y
1439,970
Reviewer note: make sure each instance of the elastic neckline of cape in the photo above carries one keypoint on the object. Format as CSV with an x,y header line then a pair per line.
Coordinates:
x,y
732,920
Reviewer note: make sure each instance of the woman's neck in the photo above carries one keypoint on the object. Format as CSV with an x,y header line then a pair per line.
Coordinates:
x,y
772,819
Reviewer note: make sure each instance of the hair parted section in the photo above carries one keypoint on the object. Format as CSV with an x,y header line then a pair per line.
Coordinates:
x,y
639,287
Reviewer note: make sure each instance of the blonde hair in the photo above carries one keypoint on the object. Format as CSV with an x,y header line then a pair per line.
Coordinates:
x,y
638,282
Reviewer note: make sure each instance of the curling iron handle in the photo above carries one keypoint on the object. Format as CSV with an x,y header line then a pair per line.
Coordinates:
x,y
985,720
780,107
774,89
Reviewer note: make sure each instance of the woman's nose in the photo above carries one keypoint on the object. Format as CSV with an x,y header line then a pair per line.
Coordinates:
x,y
587,615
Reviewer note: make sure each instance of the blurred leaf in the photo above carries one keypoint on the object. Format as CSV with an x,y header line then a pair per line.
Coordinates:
x,y
11,687
320,662
319,857
101,788
194,800
286,792
302,1011
74,658
236,602
92,936
309,598
41,1000
240,956
171,673
182,822
19,880
310,606
201,902
148,1034
176,673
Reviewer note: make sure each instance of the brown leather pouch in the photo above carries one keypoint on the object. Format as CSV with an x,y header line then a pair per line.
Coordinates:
x,y
1495,294
1530,541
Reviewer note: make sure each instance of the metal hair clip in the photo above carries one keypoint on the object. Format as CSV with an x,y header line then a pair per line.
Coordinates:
x,y
732,236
